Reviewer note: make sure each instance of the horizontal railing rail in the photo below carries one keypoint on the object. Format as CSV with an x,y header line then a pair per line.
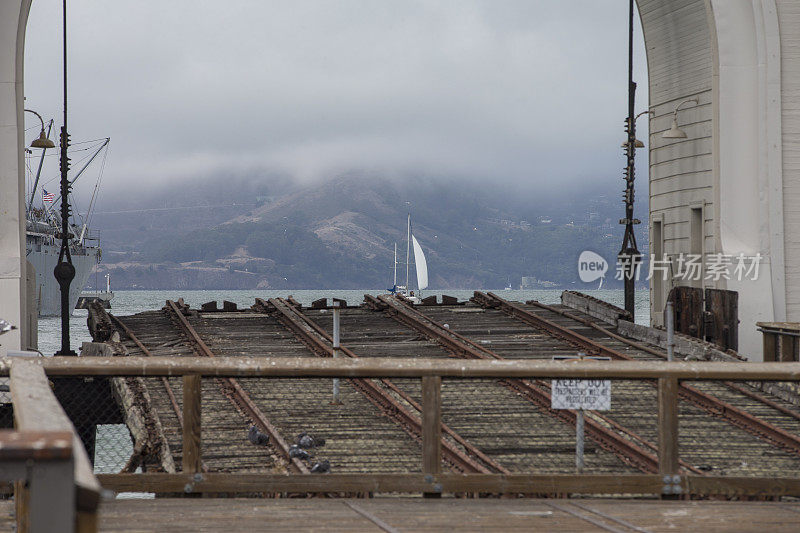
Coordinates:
x,y
301,367
670,481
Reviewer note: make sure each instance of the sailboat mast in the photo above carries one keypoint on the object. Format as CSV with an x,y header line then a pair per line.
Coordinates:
x,y
408,250
395,265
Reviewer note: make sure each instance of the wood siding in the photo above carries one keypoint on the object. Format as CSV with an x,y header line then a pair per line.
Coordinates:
x,y
679,58
789,22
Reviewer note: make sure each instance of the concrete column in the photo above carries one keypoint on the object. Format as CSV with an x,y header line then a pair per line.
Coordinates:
x,y
13,19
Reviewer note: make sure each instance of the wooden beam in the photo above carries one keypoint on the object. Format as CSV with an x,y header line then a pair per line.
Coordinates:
x,y
741,486
266,366
770,346
407,483
161,483
191,458
432,427
788,348
668,426
37,409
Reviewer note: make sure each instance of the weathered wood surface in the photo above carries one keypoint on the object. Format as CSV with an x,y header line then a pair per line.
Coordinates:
x,y
35,445
265,366
192,430
667,426
414,514
521,436
36,409
557,484
386,483
431,424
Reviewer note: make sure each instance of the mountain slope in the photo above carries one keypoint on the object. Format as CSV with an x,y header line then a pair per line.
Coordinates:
x,y
341,234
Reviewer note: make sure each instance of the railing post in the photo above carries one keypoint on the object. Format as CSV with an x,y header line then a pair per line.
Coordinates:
x,y
668,435
191,423
432,430
336,350
670,331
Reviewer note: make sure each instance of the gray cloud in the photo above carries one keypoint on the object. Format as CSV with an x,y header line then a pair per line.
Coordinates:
x,y
512,90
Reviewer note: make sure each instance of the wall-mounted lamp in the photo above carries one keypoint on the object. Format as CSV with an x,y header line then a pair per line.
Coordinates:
x,y
42,141
638,143
675,132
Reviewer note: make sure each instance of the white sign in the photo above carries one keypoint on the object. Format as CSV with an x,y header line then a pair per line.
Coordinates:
x,y
589,394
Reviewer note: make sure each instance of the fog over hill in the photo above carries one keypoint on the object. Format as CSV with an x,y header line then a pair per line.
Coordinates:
x,y
269,232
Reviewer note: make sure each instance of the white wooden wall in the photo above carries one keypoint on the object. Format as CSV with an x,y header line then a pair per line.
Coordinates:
x,y
679,56
789,23
13,18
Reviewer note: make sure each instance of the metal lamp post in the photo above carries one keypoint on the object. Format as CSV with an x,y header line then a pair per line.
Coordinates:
x,y
64,271
629,256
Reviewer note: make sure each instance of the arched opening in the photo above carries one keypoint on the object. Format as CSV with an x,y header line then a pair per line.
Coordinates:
x,y
693,52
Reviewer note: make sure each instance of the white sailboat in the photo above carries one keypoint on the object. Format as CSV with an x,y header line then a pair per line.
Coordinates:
x,y
420,265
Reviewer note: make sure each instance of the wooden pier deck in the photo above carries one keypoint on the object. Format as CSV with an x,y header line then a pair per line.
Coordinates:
x,y
381,515
489,425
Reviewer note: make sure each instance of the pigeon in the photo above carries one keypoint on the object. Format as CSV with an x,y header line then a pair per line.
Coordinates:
x,y
256,437
6,326
322,467
304,440
298,452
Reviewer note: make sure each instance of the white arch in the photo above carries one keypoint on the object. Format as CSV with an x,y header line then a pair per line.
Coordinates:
x,y
729,54
13,20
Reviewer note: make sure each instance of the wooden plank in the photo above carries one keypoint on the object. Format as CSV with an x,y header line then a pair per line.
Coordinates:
x,y
668,426
688,306
788,348
410,483
770,346
449,483
191,456
261,365
431,424
35,445
36,409
723,308
741,486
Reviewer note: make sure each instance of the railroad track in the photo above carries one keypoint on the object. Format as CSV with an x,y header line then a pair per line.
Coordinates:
x,y
237,393
222,418
703,399
321,343
497,422
632,448
358,438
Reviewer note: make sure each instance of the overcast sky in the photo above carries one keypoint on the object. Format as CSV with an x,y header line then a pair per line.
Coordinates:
x,y
528,90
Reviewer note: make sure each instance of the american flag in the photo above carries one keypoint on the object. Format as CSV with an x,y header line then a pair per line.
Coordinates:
x,y
48,196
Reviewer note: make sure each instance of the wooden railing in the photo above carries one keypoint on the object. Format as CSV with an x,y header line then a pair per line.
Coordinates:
x,y
55,488
669,481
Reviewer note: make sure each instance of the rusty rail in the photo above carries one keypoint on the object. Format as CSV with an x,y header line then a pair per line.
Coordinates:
x,y
170,393
320,342
241,397
537,393
644,348
774,435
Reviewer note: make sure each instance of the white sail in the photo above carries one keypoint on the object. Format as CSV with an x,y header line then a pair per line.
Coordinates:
x,y
421,264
